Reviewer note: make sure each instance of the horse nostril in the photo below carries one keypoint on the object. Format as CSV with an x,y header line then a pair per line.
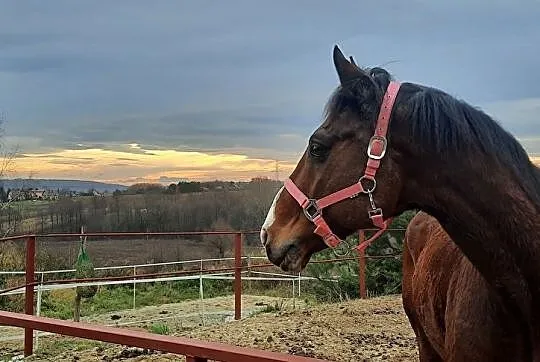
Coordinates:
x,y
264,237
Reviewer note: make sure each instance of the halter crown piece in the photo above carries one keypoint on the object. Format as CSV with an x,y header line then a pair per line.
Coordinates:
x,y
366,184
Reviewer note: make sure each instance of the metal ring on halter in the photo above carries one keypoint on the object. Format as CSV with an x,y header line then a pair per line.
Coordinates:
x,y
373,186
347,249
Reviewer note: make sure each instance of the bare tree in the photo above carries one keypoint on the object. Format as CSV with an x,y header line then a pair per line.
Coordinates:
x,y
221,243
7,164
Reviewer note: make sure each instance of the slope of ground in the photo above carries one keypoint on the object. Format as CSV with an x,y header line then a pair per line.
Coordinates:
x,y
358,330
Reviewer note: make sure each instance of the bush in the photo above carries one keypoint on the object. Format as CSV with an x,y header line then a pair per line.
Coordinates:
x,y
339,281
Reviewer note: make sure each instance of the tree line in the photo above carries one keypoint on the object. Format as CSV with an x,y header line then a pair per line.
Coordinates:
x,y
188,206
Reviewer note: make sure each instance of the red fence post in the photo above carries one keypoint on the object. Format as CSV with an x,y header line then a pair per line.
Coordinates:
x,y
29,292
362,267
238,276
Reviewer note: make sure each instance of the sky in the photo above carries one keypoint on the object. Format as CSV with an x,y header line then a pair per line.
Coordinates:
x,y
140,91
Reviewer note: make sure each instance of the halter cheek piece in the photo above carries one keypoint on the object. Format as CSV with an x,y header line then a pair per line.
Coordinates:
x,y
366,183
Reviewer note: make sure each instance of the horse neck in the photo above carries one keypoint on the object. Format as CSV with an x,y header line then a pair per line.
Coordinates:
x,y
493,221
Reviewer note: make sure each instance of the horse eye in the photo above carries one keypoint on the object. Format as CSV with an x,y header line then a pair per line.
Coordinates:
x,y
317,150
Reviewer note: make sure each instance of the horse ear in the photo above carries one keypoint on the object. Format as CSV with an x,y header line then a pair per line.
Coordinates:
x,y
346,70
352,60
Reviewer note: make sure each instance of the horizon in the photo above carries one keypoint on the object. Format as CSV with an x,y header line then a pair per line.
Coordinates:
x,y
534,159
131,92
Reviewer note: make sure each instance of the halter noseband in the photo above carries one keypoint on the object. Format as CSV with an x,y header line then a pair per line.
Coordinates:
x,y
366,183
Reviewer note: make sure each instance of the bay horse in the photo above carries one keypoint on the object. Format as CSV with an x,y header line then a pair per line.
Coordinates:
x,y
385,147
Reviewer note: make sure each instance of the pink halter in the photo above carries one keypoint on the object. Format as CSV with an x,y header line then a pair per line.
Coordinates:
x,y
375,151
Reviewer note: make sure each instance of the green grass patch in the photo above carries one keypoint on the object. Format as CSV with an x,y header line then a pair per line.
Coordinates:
x,y
114,298
159,328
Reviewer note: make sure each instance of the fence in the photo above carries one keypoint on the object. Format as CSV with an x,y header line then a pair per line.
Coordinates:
x,y
42,286
204,350
258,276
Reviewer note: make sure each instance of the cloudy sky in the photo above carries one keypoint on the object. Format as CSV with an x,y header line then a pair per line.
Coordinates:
x,y
127,91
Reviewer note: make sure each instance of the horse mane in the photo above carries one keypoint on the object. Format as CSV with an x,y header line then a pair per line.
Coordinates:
x,y
442,123
447,125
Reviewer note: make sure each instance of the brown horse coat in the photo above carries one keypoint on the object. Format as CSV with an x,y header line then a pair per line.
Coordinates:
x,y
454,313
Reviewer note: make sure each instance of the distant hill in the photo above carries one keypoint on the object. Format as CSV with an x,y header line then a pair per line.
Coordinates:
x,y
52,184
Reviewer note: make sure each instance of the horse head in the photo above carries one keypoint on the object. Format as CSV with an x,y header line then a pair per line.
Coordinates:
x,y
348,177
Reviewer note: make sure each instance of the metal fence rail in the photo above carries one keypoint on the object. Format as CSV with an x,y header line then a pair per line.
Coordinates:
x,y
193,349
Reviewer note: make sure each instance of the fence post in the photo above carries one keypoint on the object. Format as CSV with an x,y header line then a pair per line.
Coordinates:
x,y
134,285
38,305
201,293
249,272
29,292
361,267
293,294
238,276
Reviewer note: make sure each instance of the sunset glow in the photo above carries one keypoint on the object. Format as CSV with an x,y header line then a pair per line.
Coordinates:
x,y
141,165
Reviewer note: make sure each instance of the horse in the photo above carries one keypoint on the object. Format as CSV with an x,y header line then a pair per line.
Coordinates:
x,y
385,147
451,308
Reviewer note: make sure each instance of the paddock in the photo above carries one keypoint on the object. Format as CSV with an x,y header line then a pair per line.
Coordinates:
x,y
356,330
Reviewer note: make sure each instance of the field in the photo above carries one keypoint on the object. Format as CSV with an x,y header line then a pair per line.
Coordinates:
x,y
117,252
356,330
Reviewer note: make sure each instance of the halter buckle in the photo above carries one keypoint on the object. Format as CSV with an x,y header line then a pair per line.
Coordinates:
x,y
372,141
375,212
312,210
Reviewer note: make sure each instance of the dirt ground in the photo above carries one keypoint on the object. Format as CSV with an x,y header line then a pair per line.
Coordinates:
x,y
360,330
178,317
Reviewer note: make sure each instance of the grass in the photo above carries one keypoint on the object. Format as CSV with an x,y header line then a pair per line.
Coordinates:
x,y
59,304
278,306
159,328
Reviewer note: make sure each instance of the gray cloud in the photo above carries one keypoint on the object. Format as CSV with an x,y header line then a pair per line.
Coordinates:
x,y
246,76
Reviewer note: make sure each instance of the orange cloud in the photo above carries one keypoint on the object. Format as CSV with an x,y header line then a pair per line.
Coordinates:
x,y
144,165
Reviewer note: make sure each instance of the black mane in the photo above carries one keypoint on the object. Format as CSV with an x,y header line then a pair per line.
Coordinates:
x,y
441,122
447,126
